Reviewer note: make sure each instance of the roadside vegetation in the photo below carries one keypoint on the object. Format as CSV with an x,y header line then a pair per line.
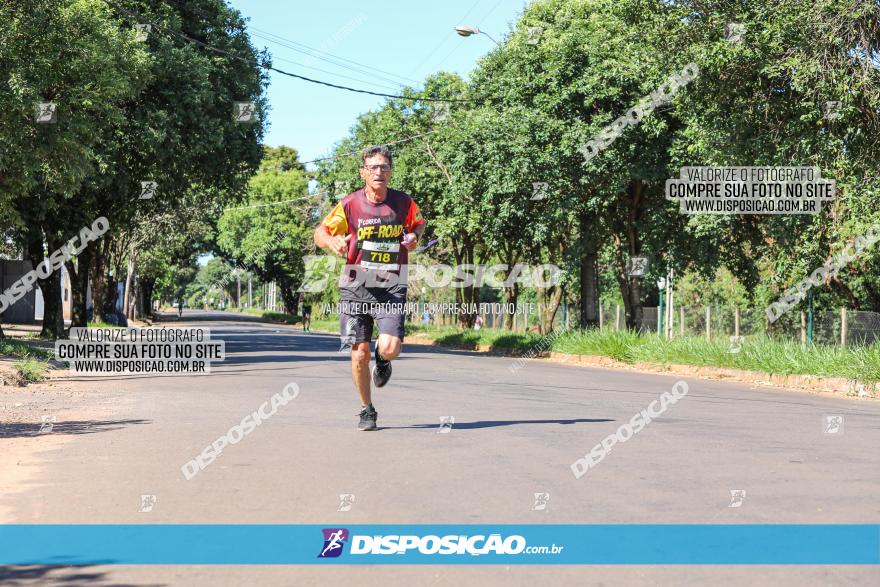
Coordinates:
x,y
31,370
757,353
18,349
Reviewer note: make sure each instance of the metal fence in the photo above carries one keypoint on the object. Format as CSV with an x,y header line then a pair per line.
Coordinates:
x,y
842,327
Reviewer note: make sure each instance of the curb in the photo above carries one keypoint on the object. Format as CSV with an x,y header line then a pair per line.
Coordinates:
x,y
811,383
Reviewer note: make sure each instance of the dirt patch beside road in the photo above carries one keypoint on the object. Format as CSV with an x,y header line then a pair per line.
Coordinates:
x,y
44,417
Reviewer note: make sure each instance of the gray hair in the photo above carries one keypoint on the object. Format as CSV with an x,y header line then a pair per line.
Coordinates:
x,y
376,150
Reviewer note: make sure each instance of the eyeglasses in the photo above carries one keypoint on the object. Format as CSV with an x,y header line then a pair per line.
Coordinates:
x,y
377,168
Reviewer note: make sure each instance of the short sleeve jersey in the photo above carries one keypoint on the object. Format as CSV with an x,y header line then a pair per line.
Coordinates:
x,y
377,229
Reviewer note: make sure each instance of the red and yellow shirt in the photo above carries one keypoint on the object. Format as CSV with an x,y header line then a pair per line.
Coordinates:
x,y
377,229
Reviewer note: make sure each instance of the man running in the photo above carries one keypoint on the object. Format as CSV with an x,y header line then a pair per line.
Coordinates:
x,y
367,228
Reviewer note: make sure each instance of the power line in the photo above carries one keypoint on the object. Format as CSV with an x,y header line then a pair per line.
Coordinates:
x,y
445,38
276,58
348,154
352,153
285,42
397,85
287,73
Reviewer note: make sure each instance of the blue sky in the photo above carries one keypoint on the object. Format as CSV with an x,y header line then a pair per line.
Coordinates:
x,y
403,39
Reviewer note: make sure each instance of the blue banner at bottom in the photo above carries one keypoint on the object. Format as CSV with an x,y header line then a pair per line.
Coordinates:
x,y
565,544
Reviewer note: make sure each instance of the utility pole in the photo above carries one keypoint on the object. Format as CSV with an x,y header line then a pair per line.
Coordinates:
x,y
670,305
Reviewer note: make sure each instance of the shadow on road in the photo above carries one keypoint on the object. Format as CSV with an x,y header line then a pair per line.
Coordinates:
x,y
21,575
494,423
29,429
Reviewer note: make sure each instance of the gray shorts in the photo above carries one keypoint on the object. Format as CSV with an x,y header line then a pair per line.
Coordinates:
x,y
361,307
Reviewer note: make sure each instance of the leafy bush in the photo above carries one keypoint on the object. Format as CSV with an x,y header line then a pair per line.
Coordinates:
x,y
31,370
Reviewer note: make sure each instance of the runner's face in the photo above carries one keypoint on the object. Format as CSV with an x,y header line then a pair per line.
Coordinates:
x,y
376,180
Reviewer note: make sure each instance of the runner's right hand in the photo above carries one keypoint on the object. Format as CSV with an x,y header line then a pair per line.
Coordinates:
x,y
339,245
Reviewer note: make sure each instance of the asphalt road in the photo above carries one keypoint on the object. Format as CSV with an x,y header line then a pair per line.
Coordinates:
x,y
513,435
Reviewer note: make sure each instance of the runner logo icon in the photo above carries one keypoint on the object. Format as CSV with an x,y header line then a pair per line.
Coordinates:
x,y
334,541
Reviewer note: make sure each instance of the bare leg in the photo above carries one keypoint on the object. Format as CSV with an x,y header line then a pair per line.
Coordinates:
x,y
389,346
360,370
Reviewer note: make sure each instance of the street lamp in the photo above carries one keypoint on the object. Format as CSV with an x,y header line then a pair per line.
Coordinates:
x,y
466,31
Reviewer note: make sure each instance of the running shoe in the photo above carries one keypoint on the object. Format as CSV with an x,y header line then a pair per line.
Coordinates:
x,y
368,418
381,371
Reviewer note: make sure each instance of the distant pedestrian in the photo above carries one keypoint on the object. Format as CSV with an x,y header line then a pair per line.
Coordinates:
x,y
307,316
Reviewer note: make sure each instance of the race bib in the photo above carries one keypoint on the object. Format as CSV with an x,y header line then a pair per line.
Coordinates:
x,y
382,256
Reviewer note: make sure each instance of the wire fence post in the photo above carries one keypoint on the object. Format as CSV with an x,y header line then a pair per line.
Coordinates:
x,y
736,322
708,323
843,327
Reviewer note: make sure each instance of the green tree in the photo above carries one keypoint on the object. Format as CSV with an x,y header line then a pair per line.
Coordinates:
x,y
72,54
181,131
272,233
763,102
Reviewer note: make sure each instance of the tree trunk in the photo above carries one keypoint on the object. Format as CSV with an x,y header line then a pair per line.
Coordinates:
x,y
79,286
129,277
100,281
627,244
288,298
2,336
137,308
551,308
631,290
147,285
53,310
465,296
511,295
589,278
554,293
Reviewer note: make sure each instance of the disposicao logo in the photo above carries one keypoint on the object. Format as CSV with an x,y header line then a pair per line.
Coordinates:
x,y
334,541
